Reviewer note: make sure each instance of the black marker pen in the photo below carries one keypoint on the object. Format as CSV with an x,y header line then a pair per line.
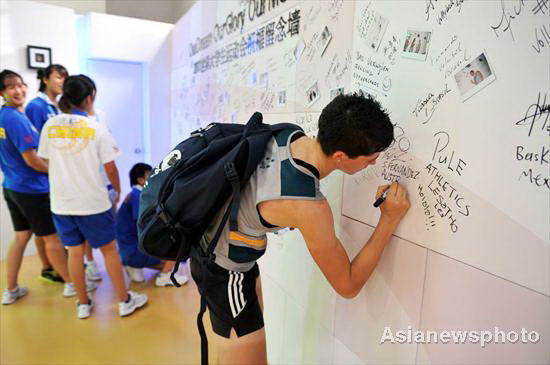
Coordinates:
x,y
382,197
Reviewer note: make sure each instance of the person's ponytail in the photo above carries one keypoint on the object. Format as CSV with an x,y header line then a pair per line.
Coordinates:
x,y
75,90
64,104
40,74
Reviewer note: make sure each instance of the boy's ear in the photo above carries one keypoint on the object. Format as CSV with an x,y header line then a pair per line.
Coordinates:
x,y
339,156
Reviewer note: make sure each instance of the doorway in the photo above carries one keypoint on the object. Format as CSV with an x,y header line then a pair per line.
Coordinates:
x,y
120,98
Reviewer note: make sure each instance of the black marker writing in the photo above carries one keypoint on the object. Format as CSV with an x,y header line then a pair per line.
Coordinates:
x,y
429,4
534,114
536,180
542,157
443,14
541,5
506,18
429,103
441,186
442,143
430,222
543,40
399,137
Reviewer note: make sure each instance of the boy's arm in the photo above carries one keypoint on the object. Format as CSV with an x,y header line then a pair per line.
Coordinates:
x,y
315,222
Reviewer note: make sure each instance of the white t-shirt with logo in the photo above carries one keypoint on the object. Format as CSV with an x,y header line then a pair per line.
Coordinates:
x,y
76,146
99,116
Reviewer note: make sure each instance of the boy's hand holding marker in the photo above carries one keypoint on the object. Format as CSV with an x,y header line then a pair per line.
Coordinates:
x,y
393,201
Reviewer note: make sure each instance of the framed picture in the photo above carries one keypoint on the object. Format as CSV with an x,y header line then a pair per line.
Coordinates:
x,y
473,77
38,57
417,42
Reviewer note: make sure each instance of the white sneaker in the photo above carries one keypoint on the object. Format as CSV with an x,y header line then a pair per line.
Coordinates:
x,y
10,296
136,301
135,274
70,291
84,310
92,272
163,279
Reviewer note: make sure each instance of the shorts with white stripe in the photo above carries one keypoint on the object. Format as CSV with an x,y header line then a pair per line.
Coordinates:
x,y
231,298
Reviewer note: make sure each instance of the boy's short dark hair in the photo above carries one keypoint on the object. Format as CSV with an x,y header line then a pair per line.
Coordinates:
x,y
137,171
354,124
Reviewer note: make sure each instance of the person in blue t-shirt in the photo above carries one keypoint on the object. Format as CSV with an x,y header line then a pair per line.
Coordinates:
x,y
39,110
44,106
127,237
25,186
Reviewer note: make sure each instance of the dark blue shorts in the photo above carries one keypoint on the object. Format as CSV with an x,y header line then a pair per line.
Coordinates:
x,y
73,230
139,260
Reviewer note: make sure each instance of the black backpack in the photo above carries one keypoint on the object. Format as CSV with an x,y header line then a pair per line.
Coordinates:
x,y
191,185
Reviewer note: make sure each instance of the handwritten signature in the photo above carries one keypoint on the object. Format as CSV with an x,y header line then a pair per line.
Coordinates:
x,y
506,18
443,13
534,115
539,42
432,101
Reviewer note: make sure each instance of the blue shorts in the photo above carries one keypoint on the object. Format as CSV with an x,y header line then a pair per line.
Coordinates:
x,y
73,230
139,260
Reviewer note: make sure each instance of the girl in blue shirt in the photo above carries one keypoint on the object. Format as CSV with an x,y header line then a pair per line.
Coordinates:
x,y
25,186
44,106
39,110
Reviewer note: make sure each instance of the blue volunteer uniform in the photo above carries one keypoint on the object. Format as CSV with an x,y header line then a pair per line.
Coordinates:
x,y
126,232
40,109
26,190
18,135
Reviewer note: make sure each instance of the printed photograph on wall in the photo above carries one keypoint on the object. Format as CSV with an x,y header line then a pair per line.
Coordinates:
x,y
474,76
335,92
313,94
416,45
376,32
281,97
326,36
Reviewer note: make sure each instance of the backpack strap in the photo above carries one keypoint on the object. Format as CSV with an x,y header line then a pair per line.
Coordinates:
x,y
233,177
202,332
231,214
209,256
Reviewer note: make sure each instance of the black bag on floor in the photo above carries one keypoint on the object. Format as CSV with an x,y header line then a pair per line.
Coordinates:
x,y
191,185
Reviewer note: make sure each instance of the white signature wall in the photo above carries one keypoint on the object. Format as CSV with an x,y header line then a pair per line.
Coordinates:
x,y
467,86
